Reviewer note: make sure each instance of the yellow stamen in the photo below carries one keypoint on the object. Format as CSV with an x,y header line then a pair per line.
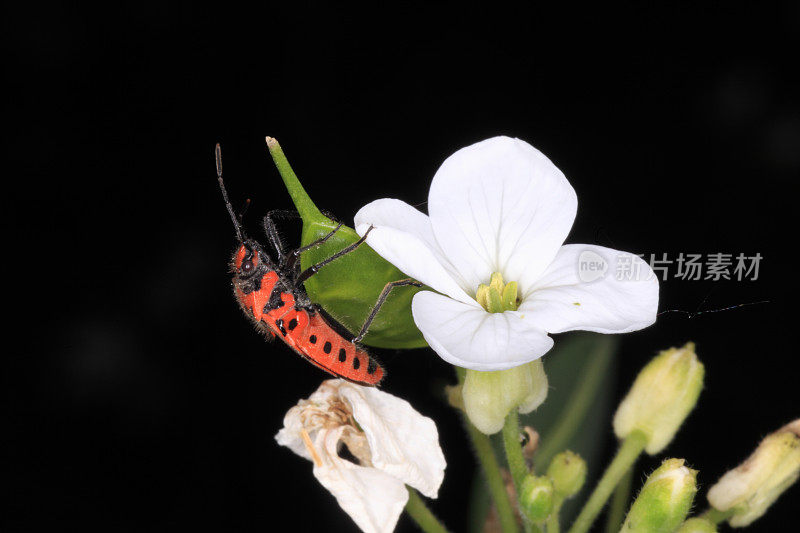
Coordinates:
x,y
498,296
495,302
482,296
310,447
510,296
496,282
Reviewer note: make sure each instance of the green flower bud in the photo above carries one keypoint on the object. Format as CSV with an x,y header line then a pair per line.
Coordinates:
x,y
664,393
697,525
490,396
753,486
665,499
567,470
536,498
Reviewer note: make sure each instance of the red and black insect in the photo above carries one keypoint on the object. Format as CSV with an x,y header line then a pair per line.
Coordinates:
x,y
271,293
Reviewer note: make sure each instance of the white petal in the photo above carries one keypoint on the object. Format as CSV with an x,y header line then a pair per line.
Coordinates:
x,y
402,235
588,288
467,336
500,206
289,435
403,443
372,498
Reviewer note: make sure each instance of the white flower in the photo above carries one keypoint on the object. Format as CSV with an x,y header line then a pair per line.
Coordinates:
x,y
393,444
500,206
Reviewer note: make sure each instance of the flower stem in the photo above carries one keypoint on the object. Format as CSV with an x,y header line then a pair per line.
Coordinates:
x,y
573,413
619,503
425,519
516,461
553,525
715,517
302,201
491,470
626,456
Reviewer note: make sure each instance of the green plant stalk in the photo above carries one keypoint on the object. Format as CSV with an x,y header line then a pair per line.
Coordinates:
x,y
715,517
491,470
574,411
619,503
552,524
516,461
626,456
419,512
300,197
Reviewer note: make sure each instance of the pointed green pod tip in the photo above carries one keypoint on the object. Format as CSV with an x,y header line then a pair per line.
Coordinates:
x,y
302,201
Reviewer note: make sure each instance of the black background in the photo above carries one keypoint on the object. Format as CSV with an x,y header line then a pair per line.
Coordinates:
x,y
139,397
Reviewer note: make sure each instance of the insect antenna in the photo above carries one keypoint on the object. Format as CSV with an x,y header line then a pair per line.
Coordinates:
x,y
237,221
243,212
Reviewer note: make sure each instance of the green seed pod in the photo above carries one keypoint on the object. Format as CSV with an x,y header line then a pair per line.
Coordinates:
x,y
349,287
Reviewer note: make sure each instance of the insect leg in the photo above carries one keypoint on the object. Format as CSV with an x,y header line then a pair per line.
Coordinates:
x,y
272,231
381,300
310,271
291,257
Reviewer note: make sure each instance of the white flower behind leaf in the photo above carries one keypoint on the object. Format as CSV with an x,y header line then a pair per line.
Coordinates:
x,y
391,445
499,212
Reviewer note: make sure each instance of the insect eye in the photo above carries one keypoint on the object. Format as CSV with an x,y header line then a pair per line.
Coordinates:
x,y
246,260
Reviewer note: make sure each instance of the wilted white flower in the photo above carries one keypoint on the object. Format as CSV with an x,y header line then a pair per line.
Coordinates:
x,y
392,444
491,248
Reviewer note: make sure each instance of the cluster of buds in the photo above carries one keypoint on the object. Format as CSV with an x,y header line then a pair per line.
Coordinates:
x,y
540,496
662,396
